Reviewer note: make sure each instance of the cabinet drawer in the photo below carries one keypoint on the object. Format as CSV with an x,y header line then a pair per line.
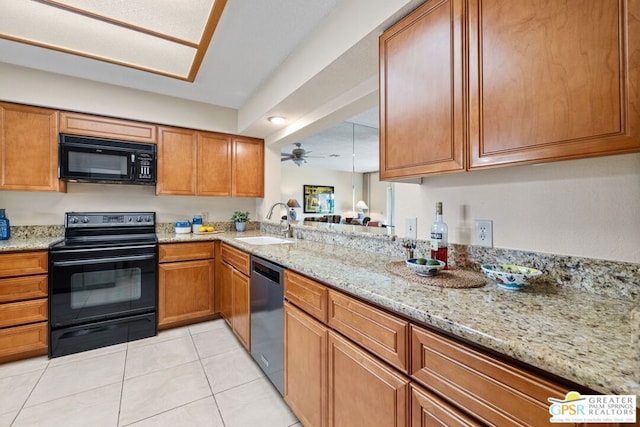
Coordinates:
x,y
381,333
19,313
23,288
171,252
496,393
29,340
307,294
84,124
237,258
23,263
427,409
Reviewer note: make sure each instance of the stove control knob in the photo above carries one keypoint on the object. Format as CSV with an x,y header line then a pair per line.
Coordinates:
x,y
73,220
147,219
139,219
85,220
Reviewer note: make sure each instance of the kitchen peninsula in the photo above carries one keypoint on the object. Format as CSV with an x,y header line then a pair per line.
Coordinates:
x,y
587,339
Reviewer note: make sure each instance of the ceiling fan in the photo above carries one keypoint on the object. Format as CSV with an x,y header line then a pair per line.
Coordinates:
x,y
299,155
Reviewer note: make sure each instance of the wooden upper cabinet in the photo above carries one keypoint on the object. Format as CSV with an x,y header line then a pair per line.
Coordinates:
x,y
247,179
214,164
422,92
107,127
553,80
177,161
29,149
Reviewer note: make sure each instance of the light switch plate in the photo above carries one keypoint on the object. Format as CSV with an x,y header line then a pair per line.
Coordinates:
x,y
411,228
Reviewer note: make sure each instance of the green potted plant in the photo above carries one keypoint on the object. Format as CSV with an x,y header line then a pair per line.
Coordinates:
x,y
241,219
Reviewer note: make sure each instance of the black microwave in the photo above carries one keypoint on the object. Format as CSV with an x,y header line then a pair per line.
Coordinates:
x,y
88,159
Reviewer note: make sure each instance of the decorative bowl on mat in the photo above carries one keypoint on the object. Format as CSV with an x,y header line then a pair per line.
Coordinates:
x,y
431,267
509,276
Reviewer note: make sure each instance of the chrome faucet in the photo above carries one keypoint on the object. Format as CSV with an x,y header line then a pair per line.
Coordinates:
x,y
287,231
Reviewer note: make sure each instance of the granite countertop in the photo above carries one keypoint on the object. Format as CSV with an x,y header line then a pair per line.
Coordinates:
x,y
582,337
585,338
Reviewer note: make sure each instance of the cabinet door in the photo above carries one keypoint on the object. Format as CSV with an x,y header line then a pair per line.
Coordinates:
x,y
106,127
553,80
23,263
422,92
493,391
185,291
384,334
240,308
247,179
428,410
176,161
29,149
214,164
226,292
307,294
305,366
362,390
172,252
23,341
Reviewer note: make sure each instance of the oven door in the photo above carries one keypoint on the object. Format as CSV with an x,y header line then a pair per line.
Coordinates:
x,y
99,284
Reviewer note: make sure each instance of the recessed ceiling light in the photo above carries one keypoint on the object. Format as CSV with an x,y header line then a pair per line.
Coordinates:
x,y
277,120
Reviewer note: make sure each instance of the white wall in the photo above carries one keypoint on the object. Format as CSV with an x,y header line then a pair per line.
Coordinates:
x,y
28,86
588,208
31,208
293,178
376,196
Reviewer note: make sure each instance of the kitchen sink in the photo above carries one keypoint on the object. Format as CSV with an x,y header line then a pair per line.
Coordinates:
x,y
263,240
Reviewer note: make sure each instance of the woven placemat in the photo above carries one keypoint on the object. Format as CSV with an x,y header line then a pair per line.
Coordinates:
x,y
445,279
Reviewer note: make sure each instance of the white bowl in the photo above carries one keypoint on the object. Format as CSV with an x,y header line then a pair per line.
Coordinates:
x,y
509,276
425,270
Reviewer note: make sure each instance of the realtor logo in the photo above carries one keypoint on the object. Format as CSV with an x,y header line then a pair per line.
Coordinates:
x,y
577,408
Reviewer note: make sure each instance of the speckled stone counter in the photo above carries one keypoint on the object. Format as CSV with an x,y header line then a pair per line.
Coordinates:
x,y
585,338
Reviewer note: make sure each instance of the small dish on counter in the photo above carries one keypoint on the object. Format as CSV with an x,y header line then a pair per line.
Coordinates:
x,y
431,267
509,276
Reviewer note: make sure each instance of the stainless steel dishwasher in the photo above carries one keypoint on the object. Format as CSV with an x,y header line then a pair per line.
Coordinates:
x,y
267,328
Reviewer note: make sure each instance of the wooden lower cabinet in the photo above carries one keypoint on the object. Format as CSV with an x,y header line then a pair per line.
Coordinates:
x,y
429,410
363,391
241,308
23,305
305,361
493,391
235,298
186,285
185,291
226,292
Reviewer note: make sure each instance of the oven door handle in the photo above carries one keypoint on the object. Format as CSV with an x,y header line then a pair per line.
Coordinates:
x,y
104,260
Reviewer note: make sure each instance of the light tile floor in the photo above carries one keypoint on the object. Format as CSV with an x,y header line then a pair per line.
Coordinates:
x,y
193,376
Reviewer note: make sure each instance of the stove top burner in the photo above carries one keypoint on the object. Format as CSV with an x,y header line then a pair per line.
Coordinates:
x,y
107,229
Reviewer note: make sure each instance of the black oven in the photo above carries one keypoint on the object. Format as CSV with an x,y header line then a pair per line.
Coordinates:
x,y
88,159
102,281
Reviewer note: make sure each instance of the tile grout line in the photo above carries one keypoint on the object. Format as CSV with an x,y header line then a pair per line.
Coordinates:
x,y
29,395
124,370
207,378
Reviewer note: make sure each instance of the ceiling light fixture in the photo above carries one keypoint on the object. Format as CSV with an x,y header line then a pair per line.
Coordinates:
x,y
170,40
277,120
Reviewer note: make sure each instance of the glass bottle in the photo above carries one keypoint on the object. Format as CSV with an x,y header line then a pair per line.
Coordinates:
x,y
439,235
5,229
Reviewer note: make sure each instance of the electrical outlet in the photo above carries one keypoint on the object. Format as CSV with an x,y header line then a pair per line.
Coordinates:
x,y
411,228
484,232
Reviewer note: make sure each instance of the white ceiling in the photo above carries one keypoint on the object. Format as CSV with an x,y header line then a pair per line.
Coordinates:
x,y
298,58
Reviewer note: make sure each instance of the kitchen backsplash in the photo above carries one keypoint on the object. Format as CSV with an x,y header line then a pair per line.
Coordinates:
x,y
608,278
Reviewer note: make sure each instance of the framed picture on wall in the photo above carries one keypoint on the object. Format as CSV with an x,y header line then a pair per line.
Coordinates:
x,y
319,199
